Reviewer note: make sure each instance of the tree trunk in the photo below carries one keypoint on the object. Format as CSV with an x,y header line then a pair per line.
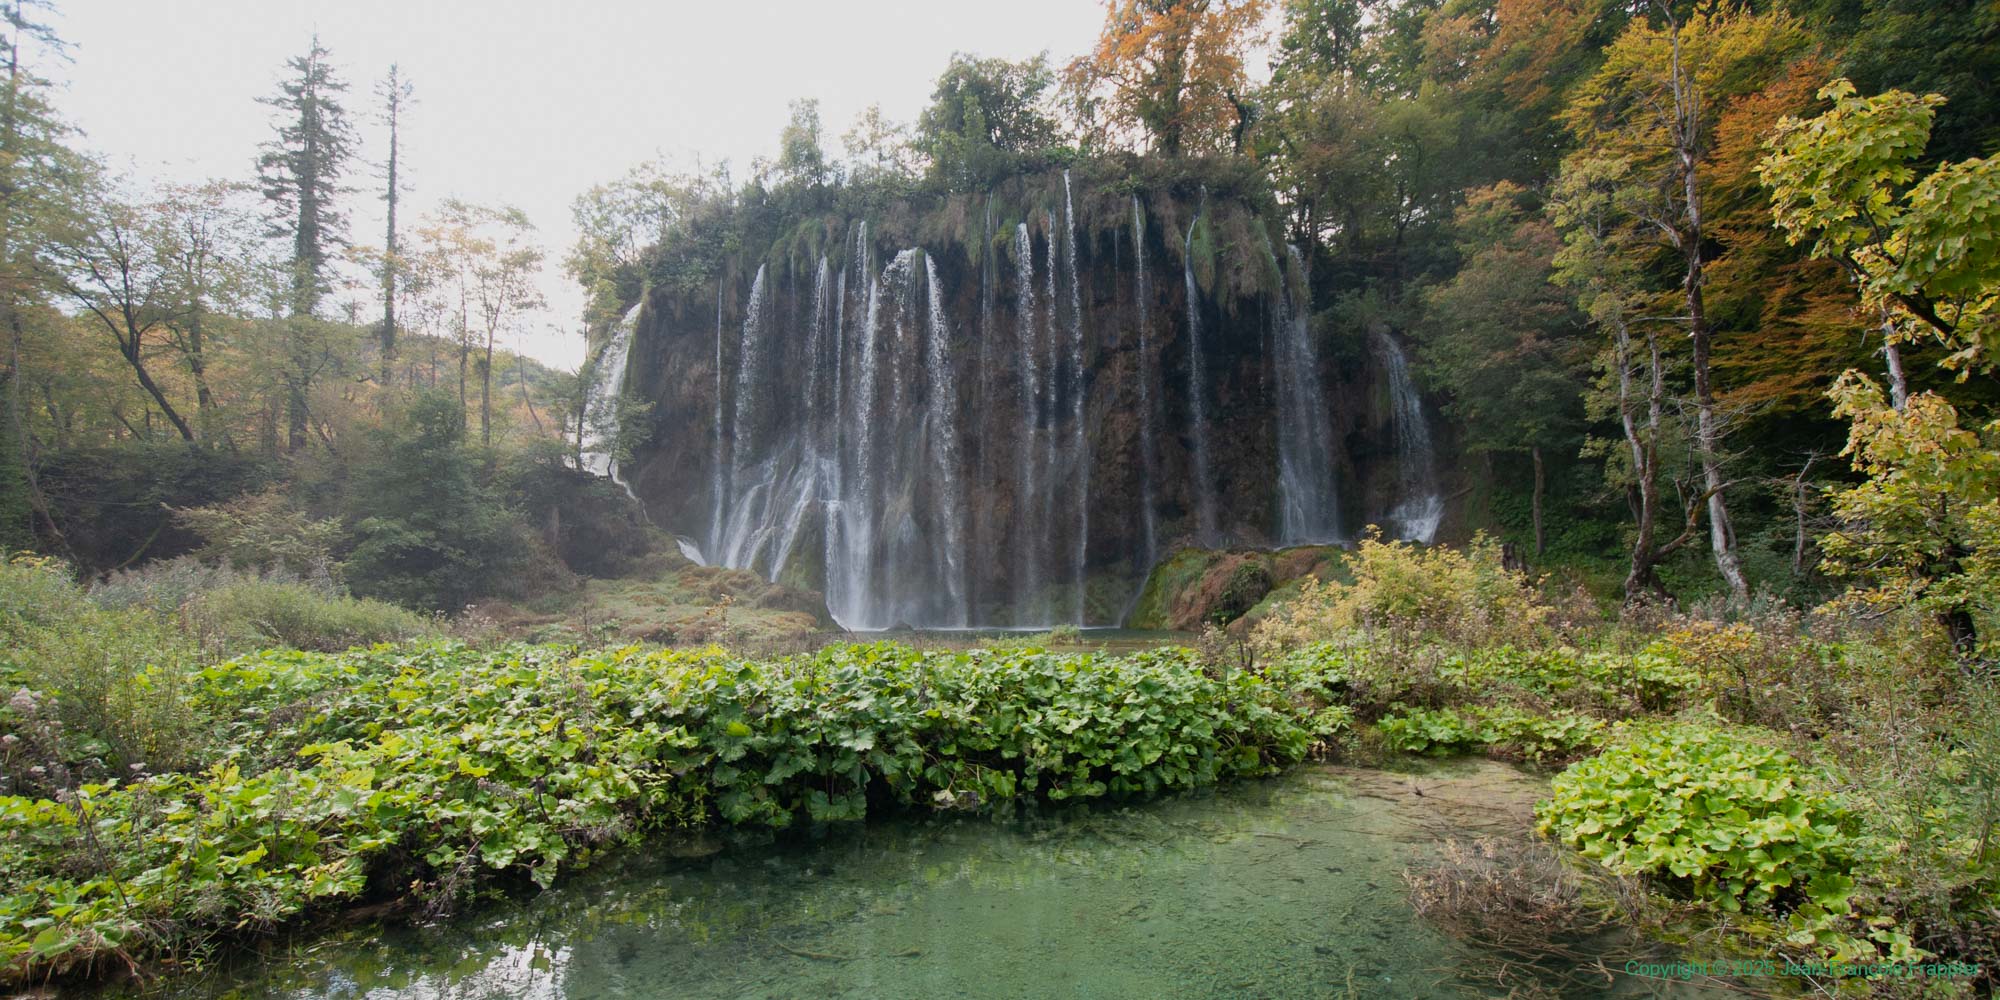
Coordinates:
x,y
1639,578
267,427
521,380
153,389
1801,501
295,414
1540,488
1708,432
204,397
486,396
389,262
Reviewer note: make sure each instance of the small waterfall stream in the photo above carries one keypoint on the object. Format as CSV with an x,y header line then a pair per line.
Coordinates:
x,y
1079,457
1418,506
600,410
1207,532
1308,501
1028,534
1149,441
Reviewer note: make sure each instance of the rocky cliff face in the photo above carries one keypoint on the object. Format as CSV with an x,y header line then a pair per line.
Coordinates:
x,y
1002,409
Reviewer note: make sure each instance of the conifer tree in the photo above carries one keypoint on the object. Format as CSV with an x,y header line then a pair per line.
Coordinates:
x,y
300,172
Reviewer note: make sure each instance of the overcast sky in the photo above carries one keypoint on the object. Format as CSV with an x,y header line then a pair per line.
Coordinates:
x,y
524,103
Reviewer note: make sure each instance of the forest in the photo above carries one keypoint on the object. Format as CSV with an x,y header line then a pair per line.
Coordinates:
x,y
1575,421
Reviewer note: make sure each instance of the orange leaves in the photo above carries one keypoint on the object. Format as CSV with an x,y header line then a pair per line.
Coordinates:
x,y
1172,70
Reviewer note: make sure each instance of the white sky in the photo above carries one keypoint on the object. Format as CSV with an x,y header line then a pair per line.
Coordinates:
x,y
524,103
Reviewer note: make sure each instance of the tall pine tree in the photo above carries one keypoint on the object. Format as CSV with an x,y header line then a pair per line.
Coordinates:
x,y
396,94
300,172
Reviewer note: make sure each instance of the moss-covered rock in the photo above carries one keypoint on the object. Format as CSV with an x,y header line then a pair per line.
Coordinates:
x,y
1195,588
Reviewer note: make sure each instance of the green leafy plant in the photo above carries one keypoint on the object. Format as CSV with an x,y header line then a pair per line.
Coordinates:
x,y
1719,815
442,768
1502,728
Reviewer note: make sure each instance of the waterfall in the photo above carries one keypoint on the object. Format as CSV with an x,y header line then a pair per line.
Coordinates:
x,y
1418,505
1204,483
885,430
851,534
600,410
941,437
1079,458
1308,503
748,375
1052,409
1027,533
806,486
718,481
1149,447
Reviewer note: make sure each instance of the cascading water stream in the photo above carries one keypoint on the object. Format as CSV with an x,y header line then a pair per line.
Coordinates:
x,y
1308,501
1149,448
601,409
1204,483
1419,506
718,486
941,439
1079,459
1028,533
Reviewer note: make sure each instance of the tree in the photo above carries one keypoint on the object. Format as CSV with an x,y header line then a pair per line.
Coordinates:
x,y
209,254
1946,47
984,115
801,157
396,94
877,149
1597,262
301,167
629,229
1499,337
108,262
1924,526
36,167
484,258
1926,252
1654,105
300,170
1322,39
1925,523
426,533
1171,69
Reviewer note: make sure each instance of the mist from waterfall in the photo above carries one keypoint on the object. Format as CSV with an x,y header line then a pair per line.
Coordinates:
x,y
1308,498
1418,505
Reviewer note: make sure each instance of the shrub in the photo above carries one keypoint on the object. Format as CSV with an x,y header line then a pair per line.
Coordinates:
x,y
163,586
1654,679
258,614
103,685
1509,730
1464,595
426,532
264,531
1720,816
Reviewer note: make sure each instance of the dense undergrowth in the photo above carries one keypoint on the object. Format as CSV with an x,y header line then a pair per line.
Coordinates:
x,y
1796,786
1810,787
432,770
